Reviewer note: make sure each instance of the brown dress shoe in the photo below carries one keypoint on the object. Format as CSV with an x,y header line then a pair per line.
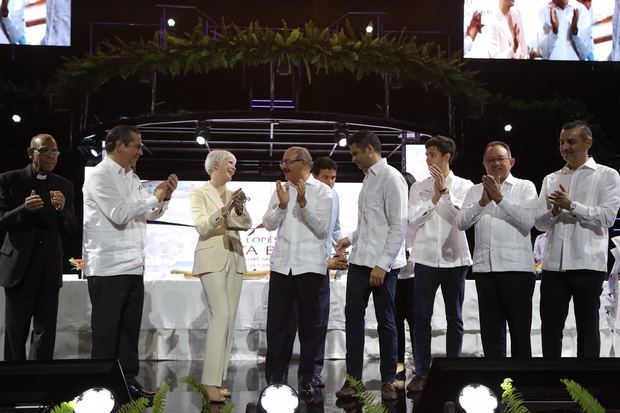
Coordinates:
x,y
388,392
214,394
416,384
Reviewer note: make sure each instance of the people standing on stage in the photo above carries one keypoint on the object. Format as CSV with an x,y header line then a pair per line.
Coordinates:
x,y
440,252
377,255
577,205
219,261
403,302
300,210
116,207
36,208
502,209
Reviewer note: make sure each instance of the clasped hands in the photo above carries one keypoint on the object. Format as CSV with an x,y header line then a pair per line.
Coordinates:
x,y
163,191
33,202
377,274
284,196
559,200
236,202
491,190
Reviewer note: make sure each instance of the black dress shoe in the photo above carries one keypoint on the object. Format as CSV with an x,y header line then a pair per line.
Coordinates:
x,y
317,381
136,391
306,390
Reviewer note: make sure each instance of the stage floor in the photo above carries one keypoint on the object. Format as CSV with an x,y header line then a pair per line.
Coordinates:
x,y
246,380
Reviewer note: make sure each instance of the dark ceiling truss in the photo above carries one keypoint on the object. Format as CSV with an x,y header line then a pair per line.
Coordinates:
x,y
258,140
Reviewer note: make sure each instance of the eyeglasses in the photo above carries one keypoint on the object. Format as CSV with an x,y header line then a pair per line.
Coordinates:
x,y
287,162
493,160
48,152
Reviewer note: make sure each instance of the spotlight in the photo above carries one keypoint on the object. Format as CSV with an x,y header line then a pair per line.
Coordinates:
x,y
16,118
200,139
171,22
508,127
340,134
476,398
369,28
278,398
96,400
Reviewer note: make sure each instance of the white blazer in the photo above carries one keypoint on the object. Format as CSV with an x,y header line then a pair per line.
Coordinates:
x,y
215,240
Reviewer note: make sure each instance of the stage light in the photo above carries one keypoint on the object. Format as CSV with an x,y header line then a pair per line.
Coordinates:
x,y
508,127
200,139
171,22
369,28
278,398
340,134
16,118
476,398
94,153
95,400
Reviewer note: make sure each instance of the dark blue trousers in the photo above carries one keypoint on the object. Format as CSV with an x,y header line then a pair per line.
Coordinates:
x,y
505,298
556,291
427,280
358,292
296,303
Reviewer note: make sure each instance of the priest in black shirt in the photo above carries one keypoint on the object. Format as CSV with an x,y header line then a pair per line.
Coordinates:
x,y
36,207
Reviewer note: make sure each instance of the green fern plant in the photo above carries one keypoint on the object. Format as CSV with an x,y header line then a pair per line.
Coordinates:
x,y
159,401
587,402
366,399
512,398
199,388
135,406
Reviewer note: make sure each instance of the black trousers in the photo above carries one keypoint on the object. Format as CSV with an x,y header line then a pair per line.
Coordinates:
x,y
505,298
403,301
116,318
556,291
34,299
296,302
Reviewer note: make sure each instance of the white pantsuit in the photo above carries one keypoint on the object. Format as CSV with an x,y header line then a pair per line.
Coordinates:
x,y
220,263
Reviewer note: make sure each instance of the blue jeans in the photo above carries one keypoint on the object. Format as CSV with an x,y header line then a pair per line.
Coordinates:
x,y
358,291
427,280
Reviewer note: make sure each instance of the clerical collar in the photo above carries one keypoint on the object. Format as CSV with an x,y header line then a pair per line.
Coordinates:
x,y
41,177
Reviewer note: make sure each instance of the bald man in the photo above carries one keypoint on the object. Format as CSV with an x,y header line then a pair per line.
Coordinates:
x,y
36,207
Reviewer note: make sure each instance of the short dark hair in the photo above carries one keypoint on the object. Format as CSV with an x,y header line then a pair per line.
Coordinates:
x,y
324,162
409,178
443,144
364,138
497,143
122,133
584,129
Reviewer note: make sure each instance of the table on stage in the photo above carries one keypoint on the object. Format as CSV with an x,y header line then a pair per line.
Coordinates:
x,y
176,316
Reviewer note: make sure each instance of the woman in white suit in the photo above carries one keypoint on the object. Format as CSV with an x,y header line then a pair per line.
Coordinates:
x,y
220,263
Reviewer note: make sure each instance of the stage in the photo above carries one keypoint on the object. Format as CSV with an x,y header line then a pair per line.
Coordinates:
x,y
176,316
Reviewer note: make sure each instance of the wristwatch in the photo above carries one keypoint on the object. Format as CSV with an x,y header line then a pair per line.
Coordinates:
x,y
572,206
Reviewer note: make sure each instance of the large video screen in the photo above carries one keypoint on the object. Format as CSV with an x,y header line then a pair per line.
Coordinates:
x,y
586,30
35,22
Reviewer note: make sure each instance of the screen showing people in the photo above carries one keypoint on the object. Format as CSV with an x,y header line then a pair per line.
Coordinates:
x,y
542,29
35,22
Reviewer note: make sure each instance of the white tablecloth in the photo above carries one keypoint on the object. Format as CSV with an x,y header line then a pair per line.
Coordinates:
x,y
176,316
